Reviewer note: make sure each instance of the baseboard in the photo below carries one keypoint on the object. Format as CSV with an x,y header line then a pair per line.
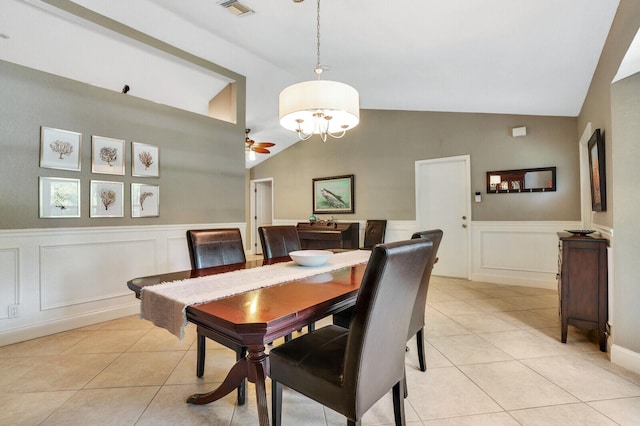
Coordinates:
x,y
33,331
625,358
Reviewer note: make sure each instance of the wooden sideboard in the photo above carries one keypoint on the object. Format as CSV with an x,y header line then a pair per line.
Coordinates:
x,y
329,235
582,284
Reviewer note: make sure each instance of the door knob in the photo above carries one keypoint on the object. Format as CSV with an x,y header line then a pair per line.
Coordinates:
x,y
464,218
464,225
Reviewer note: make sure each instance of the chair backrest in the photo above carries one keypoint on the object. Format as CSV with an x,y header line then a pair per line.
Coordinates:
x,y
375,352
215,247
417,317
374,233
278,241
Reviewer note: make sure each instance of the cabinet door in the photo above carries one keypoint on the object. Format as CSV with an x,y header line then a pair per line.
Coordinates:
x,y
581,266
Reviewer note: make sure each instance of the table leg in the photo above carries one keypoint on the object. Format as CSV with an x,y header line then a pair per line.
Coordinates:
x,y
255,368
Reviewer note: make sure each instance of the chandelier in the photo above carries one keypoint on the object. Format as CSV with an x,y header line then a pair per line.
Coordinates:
x,y
319,107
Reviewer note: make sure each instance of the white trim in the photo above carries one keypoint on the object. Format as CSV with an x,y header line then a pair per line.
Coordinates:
x,y
252,212
625,358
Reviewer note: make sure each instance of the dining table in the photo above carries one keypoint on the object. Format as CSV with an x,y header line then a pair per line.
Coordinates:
x,y
257,317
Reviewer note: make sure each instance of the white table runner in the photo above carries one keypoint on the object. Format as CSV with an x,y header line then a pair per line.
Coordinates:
x,y
165,304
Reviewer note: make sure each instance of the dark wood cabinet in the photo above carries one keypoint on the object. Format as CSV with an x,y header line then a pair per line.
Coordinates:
x,y
582,284
327,235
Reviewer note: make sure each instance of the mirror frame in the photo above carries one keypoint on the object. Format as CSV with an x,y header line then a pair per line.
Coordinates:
x,y
521,172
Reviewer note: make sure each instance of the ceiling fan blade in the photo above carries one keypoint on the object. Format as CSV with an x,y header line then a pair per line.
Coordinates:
x,y
261,150
249,141
265,144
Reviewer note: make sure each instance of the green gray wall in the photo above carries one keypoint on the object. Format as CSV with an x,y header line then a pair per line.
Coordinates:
x,y
381,153
202,175
625,108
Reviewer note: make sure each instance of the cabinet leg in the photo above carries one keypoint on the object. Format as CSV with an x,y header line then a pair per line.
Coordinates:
x,y
564,327
603,341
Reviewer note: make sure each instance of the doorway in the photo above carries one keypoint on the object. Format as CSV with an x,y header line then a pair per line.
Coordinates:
x,y
443,201
261,209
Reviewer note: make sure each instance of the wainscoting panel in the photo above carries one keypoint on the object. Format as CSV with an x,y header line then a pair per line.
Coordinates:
x,y
65,278
82,273
516,253
8,280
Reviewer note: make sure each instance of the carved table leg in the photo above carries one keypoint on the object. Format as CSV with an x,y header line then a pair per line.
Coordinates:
x,y
255,368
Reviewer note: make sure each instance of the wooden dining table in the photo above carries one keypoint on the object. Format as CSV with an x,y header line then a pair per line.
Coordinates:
x,y
257,317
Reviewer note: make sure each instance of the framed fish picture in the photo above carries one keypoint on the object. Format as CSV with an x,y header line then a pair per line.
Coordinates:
x,y
333,195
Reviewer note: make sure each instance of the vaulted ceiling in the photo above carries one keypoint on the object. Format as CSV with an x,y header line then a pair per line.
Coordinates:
x,y
494,56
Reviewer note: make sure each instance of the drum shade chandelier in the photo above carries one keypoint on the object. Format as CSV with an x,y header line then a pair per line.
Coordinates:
x,y
319,107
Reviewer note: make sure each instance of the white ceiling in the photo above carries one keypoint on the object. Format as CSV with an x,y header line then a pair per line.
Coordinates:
x,y
494,56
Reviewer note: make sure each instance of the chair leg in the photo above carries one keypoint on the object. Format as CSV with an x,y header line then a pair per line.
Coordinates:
x,y
311,327
420,341
276,403
352,423
201,351
287,338
242,389
404,379
398,403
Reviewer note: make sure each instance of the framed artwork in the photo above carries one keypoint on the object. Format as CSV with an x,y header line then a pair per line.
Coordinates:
x,y
333,194
145,160
145,200
107,155
59,197
597,172
60,149
107,199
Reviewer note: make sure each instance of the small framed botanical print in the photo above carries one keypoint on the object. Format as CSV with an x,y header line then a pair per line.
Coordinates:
x,y
107,199
145,200
60,149
145,160
59,197
107,155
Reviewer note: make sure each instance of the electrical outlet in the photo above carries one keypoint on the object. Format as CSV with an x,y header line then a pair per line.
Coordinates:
x,y
14,311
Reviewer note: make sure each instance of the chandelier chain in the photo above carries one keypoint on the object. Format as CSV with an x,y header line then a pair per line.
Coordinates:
x,y
318,66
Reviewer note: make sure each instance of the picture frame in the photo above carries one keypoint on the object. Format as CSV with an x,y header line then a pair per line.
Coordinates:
x,y
60,149
332,195
107,199
59,197
145,160
107,155
145,200
597,172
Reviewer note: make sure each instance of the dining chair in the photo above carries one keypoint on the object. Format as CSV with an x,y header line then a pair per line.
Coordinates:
x,y
374,231
279,241
349,370
416,327
208,248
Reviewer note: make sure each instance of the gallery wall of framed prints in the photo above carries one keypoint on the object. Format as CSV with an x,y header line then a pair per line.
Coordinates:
x,y
60,196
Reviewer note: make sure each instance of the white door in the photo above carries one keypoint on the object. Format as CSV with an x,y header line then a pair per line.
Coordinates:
x,y
443,201
262,208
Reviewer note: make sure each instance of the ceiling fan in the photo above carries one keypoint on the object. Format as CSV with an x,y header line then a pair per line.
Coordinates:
x,y
252,146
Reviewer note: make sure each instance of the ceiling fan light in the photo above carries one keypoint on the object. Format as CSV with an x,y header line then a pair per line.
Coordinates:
x,y
319,106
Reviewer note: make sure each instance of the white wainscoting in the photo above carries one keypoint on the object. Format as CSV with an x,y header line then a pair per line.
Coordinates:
x,y
66,278
517,253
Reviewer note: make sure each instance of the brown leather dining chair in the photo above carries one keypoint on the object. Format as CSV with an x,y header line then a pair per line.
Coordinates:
x,y
416,326
216,247
374,231
279,241
349,370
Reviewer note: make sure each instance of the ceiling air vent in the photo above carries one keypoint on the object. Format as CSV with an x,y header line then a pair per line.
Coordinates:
x,y
235,7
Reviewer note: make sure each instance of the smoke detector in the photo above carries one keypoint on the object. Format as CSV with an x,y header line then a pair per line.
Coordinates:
x,y
235,7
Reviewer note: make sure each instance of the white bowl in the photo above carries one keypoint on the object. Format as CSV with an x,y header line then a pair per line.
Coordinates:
x,y
310,257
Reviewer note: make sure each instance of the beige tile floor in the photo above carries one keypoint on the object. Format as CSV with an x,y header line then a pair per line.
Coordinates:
x,y
493,354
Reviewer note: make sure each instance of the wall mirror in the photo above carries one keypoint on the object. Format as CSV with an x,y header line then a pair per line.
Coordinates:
x,y
542,179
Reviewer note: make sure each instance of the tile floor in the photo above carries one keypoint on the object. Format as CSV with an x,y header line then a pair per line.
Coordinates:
x,y
493,354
